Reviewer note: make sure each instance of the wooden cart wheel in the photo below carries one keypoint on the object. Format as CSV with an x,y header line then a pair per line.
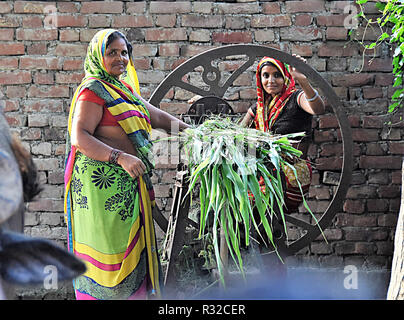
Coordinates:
x,y
212,76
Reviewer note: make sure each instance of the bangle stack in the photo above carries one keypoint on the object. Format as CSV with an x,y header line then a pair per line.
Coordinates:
x,y
114,155
313,98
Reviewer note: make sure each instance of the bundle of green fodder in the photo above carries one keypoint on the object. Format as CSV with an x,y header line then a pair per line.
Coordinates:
x,y
228,161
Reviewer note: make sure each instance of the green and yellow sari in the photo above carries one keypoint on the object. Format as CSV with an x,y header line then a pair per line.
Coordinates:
x,y
108,214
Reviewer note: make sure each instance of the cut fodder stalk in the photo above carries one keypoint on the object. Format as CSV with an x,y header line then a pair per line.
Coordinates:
x,y
228,160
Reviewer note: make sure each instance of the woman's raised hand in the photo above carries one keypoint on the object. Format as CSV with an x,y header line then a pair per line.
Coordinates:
x,y
132,165
297,75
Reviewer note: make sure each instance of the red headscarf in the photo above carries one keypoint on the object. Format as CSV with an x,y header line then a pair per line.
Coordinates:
x,y
268,111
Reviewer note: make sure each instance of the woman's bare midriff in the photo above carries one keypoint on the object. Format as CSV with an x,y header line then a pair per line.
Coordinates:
x,y
115,137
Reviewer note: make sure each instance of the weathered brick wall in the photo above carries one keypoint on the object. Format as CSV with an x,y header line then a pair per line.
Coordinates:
x,y
42,46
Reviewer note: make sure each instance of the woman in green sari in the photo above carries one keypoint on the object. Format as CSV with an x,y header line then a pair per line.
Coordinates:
x,y
108,191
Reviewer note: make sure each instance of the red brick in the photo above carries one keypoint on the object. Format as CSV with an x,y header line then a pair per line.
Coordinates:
x,y
99,21
6,34
258,21
336,33
372,92
102,7
305,6
32,22
344,248
389,191
336,50
69,35
328,121
12,49
331,20
144,50
172,7
174,108
33,6
46,204
329,163
137,7
396,177
31,134
6,7
324,136
198,21
67,7
271,8
71,50
302,50
365,221
387,220
166,20
303,20
378,64
301,34
373,122
380,162
231,8
35,35
16,91
143,64
365,248
132,21
374,149
232,37
377,205
49,92
9,22
37,49
384,79
385,248
11,106
178,34
371,34
353,80
71,64
40,63
69,77
331,149
16,77
236,23
264,35
354,206
44,78
364,135
43,105
396,147
169,49
87,34
16,120
319,193
361,191
70,21
9,63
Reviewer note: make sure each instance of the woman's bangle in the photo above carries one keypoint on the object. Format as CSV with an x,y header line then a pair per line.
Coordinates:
x,y
313,98
114,155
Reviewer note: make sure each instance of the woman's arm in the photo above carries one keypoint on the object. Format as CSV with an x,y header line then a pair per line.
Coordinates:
x,y
310,101
316,103
163,120
86,118
246,121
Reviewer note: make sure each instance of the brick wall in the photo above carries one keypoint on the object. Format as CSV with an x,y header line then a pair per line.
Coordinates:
x,y
42,45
